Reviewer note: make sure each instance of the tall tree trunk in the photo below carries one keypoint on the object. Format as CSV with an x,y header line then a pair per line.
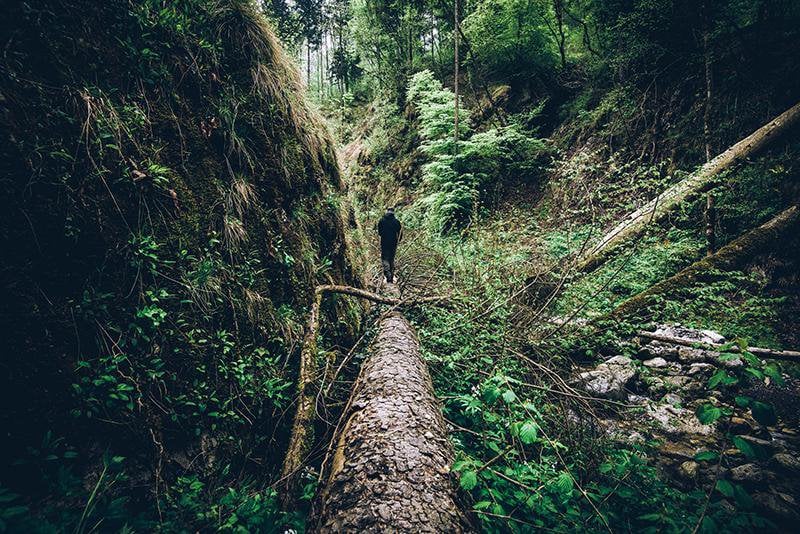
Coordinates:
x,y
699,182
308,65
455,75
558,8
710,212
388,469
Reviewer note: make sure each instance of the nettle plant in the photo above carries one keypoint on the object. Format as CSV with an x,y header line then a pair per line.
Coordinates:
x,y
726,380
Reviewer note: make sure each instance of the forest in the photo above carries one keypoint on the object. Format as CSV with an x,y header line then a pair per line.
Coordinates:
x,y
586,319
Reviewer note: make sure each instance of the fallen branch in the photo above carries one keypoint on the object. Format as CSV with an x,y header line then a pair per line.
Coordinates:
x,y
302,427
697,183
787,355
729,257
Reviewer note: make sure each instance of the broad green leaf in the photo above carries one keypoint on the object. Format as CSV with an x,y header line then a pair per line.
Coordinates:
x,y
509,396
750,358
725,488
706,456
482,505
774,373
564,483
708,413
764,413
469,479
742,497
742,401
528,432
758,375
721,377
747,448
490,393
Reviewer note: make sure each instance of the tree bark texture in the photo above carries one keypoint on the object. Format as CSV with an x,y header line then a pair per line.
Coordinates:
x,y
731,256
702,180
389,468
302,435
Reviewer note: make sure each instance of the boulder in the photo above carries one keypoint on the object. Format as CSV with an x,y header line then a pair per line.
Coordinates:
x,y
785,462
674,420
750,473
610,378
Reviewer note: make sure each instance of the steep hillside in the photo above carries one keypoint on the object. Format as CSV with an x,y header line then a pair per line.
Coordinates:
x,y
169,202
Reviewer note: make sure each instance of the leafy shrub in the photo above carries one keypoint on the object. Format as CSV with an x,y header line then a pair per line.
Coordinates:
x,y
456,177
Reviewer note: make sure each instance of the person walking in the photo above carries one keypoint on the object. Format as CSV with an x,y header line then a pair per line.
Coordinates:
x,y
390,230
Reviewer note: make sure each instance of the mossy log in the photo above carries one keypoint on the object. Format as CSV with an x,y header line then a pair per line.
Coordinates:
x,y
389,469
302,435
729,257
699,182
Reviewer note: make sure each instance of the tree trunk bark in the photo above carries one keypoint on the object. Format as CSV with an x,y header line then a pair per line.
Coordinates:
x,y
302,435
455,76
389,467
731,256
699,182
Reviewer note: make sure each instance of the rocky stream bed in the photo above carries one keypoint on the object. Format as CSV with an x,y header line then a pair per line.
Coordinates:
x,y
665,384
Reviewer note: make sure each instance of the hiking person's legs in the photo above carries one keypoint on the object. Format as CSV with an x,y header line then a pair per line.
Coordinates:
x,y
388,251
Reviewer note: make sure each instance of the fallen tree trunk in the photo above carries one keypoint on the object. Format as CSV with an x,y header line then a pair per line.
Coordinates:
x,y
389,466
302,426
702,180
785,355
729,257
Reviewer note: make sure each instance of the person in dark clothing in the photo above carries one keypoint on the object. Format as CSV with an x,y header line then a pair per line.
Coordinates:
x,y
390,230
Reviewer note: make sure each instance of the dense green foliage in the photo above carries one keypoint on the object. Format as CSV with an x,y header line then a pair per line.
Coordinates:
x,y
169,202
169,199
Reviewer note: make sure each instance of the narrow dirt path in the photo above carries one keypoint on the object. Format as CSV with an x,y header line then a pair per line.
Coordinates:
x,y
390,470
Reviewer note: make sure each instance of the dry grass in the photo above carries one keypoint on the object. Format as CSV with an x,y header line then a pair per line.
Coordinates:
x,y
276,79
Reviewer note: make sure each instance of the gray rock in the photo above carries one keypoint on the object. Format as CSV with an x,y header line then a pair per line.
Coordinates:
x,y
688,470
778,504
786,462
768,445
673,399
701,369
656,349
750,473
690,334
692,355
676,420
656,363
610,378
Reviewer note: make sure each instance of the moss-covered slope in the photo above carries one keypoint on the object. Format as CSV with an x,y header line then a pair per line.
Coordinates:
x,y
167,203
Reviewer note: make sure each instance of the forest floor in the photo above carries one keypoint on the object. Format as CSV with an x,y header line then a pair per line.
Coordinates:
x,y
560,426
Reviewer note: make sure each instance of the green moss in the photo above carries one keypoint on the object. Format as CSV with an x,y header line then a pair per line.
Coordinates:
x,y
178,207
